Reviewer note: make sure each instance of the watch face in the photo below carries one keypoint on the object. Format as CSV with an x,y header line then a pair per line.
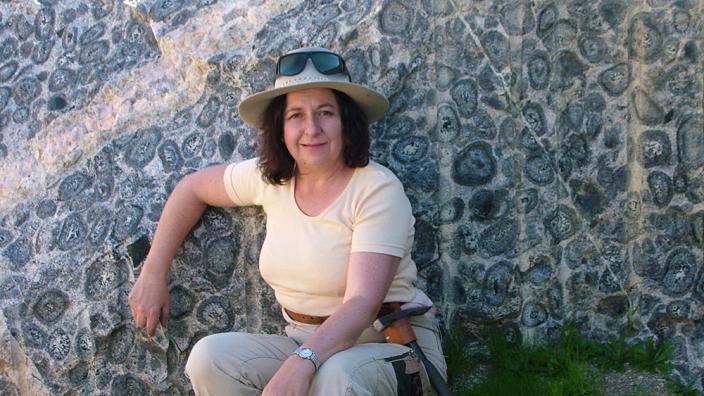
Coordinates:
x,y
305,353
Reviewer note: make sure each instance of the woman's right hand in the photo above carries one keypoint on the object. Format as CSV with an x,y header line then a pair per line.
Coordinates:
x,y
149,301
149,298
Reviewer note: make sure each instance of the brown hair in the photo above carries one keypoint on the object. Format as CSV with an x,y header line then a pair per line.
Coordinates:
x,y
277,164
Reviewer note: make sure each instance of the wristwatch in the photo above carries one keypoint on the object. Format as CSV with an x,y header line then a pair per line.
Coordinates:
x,y
308,354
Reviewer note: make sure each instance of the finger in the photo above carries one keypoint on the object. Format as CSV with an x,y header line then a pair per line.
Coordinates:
x,y
164,314
140,320
152,320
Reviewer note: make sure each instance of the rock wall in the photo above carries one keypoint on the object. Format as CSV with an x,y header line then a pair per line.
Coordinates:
x,y
553,152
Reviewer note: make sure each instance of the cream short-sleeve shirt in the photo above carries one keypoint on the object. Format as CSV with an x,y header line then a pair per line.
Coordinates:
x,y
304,258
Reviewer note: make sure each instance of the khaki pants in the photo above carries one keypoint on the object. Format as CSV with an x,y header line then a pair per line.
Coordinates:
x,y
242,363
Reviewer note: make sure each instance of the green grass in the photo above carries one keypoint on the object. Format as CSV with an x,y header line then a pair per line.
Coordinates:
x,y
571,366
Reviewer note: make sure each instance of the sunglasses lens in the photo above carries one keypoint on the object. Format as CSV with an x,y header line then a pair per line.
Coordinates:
x,y
327,63
292,64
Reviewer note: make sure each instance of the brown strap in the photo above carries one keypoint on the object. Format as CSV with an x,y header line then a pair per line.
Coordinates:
x,y
307,319
386,308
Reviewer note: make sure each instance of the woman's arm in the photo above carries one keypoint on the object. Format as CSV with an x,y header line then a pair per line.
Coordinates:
x,y
149,298
369,277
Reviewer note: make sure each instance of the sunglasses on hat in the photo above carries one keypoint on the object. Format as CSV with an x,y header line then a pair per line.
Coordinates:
x,y
325,62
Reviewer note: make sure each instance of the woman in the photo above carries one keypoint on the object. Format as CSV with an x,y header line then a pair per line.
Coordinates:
x,y
338,242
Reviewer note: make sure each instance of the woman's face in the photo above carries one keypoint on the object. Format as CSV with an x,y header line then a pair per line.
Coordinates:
x,y
313,129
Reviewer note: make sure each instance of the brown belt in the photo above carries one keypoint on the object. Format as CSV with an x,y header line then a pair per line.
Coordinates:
x,y
386,308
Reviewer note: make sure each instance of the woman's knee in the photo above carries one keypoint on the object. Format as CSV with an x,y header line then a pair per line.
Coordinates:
x,y
361,370
204,352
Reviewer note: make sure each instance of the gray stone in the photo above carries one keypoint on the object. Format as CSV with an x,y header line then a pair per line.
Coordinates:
x,y
517,19
26,90
497,281
128,385
534,314
499,237
73,232
410,149
425,246
450,212
120,343
588,198
170,156
497,47
644,38
61,79
547,19
92,33
226,144
655,148
615,306
44,23
182,302
395,18
192,145
561,223
102,277
220,256
593,48
94,52
508,127
483,126
581,252
613,11
19,252
660,185
209,112
486,204
539,170
69,37
51,305
5,94
33,335
649,112
464,93
56,103
475,165
681,268
539,70
58,344
215,313
8,70
42,51
540,271
615,80
22,27
142,148
448,124
127,219
690,142
567,67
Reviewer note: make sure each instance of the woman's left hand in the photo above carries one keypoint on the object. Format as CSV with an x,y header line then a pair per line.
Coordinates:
x,y
292,378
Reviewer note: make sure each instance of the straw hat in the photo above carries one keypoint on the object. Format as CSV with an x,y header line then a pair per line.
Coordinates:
x,y
371,102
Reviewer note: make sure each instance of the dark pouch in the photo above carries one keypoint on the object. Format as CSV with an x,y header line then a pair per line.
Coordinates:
x,y
411,377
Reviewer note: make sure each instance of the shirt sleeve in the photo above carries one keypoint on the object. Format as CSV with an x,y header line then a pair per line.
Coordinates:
x,y
243,183
383,220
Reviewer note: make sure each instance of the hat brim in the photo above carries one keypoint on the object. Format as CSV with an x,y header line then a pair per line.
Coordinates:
x,y
372,103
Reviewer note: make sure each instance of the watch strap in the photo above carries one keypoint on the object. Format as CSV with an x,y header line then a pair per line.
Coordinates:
x,y
308,354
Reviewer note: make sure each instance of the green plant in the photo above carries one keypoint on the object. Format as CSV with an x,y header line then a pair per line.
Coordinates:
x,y
458,362
637,392
615,354
571,366
681,389
654,356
